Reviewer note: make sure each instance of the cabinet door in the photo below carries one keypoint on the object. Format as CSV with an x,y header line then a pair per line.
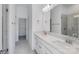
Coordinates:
x,y
37,45
44,50
44,47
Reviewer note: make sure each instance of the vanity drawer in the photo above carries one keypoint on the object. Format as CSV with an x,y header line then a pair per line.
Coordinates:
x,y
42,47
39,48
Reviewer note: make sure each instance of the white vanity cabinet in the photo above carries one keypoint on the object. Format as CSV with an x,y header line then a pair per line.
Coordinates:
x,y
41,46
46,44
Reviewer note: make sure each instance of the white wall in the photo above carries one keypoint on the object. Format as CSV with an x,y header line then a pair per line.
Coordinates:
x,y
0,26
21,12
46,21
40,21
30,24
11,29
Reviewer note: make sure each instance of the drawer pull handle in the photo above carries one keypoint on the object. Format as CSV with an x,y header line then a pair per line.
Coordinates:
x,y
39,46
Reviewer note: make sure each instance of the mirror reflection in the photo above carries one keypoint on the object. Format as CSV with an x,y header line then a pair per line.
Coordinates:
x,y
64,20
69,25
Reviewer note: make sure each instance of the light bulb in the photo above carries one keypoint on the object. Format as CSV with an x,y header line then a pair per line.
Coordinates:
x,y
49,7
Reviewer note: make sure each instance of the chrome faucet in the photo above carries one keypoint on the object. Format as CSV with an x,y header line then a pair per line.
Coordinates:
x,y
69,41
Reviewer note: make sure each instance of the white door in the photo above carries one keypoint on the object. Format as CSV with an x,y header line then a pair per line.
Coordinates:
x,y
4,26
12,28
0,26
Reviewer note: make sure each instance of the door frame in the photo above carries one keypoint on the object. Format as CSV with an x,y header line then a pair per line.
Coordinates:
x,y
1,27
5,27
17,22
11,29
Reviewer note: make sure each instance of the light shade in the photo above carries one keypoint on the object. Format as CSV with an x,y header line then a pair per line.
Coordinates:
x,y
48,7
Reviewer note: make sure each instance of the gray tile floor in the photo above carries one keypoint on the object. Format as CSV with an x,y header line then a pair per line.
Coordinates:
x,y
22,47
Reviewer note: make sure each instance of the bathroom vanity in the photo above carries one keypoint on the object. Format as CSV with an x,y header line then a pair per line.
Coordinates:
x,y
52,43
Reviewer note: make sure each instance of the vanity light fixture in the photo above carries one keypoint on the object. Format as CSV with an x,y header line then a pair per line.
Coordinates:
x,y
48,7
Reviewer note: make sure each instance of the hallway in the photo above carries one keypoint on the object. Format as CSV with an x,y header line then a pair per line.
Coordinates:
x,y
22,47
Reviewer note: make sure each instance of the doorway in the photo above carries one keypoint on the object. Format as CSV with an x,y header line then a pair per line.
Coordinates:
x,y
22,28
22,45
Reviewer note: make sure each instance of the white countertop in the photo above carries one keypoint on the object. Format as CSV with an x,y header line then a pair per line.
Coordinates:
x,y
57,41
